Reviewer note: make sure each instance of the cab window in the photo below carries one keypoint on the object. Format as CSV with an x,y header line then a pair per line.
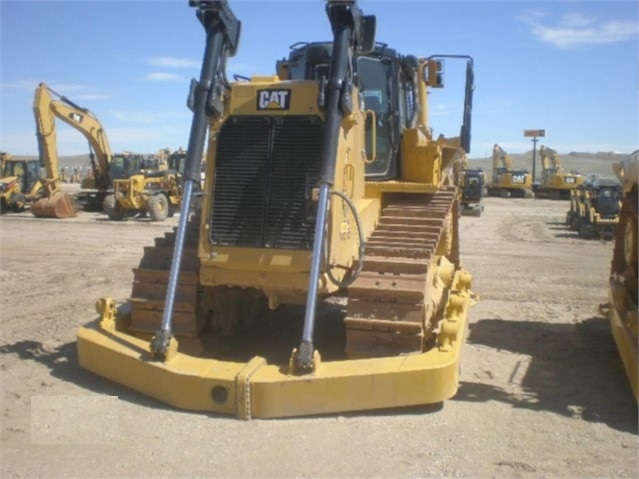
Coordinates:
x,y
374,76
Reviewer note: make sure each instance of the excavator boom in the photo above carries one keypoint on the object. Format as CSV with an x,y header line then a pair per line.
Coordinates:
x,y
46,110
54,203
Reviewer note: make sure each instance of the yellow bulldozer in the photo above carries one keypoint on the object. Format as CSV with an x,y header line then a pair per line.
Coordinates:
x,y
156,193
20,182
322,273
556,183
507,182
621,308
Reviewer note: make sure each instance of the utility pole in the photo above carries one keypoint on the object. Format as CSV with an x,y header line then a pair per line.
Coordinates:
x,y
534,134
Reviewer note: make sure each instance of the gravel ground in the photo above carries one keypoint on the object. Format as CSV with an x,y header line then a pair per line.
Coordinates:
x,y
543,392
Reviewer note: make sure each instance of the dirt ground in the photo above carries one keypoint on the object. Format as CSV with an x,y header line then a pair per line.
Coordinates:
x,y
543,392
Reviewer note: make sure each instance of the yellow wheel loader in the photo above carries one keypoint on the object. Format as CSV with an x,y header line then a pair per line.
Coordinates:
x,y
322,273
20,183
156,193
621,308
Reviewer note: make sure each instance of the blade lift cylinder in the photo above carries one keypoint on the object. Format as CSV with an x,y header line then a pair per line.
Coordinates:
x,y
222,36
347,23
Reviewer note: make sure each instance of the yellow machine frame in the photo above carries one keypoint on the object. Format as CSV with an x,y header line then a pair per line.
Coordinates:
x,y
255,388
621,308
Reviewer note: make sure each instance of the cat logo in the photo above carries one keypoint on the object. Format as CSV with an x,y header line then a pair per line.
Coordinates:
x,y
273,99
76,117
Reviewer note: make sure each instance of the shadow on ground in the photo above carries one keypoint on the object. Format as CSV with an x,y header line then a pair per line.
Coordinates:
x,y
574,370
62,363
563,230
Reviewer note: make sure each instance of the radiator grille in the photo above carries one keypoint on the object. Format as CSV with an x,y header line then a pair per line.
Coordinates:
x,y
263,168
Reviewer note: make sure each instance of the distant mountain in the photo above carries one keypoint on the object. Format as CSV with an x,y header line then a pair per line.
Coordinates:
x,y
585,163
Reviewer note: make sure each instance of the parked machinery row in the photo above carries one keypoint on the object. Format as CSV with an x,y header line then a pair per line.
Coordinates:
x,y
594,208
121,184
49,106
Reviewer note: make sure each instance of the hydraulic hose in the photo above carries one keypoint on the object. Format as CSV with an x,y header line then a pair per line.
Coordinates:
x,y
360,233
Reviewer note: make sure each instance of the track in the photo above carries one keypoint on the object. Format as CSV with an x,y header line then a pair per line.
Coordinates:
x,y
150,281
395,304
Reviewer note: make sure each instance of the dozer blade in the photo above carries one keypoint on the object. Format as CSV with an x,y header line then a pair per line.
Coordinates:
x,y
259,389
59,205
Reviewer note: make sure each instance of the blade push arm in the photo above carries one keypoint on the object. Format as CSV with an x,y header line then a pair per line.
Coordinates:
x,y
205,99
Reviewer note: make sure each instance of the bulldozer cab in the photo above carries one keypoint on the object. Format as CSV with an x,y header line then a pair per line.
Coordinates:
x,y
380,81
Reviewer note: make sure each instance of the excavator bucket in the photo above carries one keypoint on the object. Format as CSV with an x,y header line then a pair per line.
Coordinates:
x,y
58,205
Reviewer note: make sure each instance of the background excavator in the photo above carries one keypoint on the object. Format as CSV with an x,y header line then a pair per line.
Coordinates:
x,y
20,182
323,272
103,171
621,308
555,182
507,182
53,203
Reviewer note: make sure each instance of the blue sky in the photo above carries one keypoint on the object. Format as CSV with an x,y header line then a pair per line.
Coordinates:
x,y
569,67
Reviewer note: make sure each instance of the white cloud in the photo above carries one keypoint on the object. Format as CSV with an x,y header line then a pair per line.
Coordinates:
x,y
73,91
150,117
575,29
576,20
20,85
133,117
163,76
173,62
